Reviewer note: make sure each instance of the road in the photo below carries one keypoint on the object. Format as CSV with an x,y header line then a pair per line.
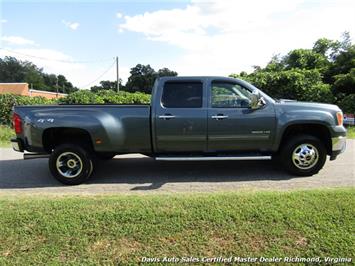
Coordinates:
x,y
132,174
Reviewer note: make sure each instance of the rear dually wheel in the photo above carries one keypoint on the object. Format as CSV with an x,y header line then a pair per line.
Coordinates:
x,y
70,164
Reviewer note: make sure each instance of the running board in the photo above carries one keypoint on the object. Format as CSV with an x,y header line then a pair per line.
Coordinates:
x,y
28,156
216,158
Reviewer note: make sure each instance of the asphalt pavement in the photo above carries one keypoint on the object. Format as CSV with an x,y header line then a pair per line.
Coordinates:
x,y
135,173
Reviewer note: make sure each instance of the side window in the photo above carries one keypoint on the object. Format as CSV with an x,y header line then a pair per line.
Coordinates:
x,y
182,95
229,95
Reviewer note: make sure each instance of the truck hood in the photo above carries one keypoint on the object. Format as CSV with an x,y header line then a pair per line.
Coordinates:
x,y
292,104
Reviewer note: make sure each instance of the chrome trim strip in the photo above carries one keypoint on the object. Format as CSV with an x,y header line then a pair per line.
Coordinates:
x,y
182,138
219,117
238,137
166,116
216,158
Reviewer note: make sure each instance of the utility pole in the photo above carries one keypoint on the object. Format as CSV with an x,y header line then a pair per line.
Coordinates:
x,y
56,85
117,75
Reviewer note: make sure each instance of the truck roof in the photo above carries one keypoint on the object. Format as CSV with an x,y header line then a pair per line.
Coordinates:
x,y
189,78
197,77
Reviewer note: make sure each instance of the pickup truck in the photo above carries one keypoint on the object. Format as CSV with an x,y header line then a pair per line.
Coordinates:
x,y
189,119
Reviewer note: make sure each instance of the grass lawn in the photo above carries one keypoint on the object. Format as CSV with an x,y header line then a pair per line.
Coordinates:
x,y
6,133
351,132
123,229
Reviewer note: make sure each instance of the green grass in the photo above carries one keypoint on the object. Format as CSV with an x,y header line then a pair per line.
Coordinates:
x,y
6,133
123,229
351,132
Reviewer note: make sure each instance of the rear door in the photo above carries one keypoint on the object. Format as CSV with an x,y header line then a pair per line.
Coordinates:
x,y
181,117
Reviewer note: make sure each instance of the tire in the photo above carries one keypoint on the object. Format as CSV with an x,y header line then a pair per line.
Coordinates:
x,y
70,164
303,155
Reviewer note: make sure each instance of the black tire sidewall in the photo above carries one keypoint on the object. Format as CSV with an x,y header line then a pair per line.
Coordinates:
x,y
286,155
79,151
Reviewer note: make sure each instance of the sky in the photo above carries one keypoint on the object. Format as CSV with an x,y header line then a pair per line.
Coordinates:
x,y
80,39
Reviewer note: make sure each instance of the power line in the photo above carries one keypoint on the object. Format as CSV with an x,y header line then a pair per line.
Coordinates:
x,y
58,60
107,70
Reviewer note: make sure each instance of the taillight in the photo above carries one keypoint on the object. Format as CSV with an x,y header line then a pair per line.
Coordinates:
x,y
17,123
340,118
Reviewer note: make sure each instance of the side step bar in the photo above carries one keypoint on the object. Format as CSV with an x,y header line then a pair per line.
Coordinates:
x,y
216,158
28,156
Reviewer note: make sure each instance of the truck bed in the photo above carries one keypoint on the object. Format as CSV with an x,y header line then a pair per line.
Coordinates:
x,y
113,127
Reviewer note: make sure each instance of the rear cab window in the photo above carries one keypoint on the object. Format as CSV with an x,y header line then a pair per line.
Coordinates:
x,y
182,94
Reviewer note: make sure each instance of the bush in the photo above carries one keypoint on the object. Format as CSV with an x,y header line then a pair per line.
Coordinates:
x,y
106,97
124,97
81,97
6,133
7,101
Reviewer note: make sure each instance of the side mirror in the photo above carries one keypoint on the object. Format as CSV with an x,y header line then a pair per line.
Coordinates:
x,y
256,101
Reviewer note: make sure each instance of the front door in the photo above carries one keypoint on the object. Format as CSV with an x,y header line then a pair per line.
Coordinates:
x,y
181,118
232,125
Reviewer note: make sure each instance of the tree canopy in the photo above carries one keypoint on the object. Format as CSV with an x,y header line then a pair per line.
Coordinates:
x,y
325,73
107,85
143,76
14,70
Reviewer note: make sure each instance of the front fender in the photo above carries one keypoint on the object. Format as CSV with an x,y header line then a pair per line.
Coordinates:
x,y
301,117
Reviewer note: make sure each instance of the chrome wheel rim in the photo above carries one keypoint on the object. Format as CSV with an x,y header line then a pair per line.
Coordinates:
x,y
305,156
69,165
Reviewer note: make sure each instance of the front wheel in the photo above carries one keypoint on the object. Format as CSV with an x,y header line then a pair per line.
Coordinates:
x,y
303,155
70,164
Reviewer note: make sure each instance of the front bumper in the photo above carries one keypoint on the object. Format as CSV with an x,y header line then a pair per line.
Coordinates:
x,y
17,144
338,146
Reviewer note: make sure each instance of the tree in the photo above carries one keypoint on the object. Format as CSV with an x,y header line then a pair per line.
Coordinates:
x,y
64,85
342,64
166,72
34,78
51,81
325,73
305,59
107,85
143,76
141,79
345,83
326,47
332,48
13,70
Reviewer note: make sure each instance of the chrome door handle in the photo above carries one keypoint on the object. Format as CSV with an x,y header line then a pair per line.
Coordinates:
x,y
218,117
166,117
